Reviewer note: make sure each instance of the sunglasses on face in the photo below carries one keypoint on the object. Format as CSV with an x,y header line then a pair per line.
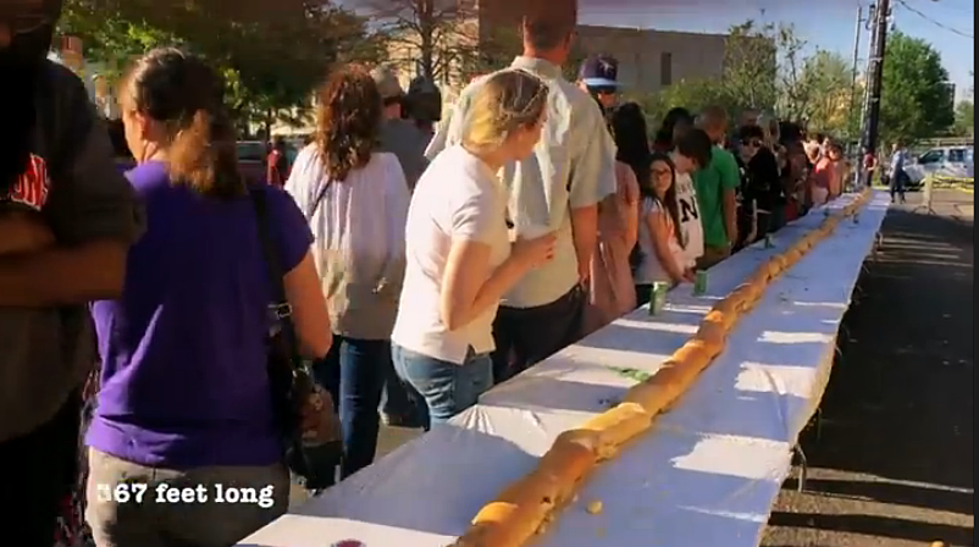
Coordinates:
x,y
751,142
606,90
661,173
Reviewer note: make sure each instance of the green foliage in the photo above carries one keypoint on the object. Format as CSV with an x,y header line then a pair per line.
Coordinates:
x,y
110,39
825,93
750,66
916,101
749,77
272,56
965,119
766,69
965,114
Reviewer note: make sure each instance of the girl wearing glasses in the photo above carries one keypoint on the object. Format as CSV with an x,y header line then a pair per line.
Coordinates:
x,y
660,236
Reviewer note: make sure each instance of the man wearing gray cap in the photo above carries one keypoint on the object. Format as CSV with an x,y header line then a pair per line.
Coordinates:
x,y
399,136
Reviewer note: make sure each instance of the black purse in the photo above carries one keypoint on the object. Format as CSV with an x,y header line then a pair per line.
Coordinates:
x,y
313,455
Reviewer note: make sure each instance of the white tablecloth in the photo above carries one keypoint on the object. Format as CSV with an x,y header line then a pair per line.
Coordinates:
x,y
706,476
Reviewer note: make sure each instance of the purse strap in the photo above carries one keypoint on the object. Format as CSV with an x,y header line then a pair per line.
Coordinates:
x,y
279,307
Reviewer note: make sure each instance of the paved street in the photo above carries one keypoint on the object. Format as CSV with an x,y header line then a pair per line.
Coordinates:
x,y
893,464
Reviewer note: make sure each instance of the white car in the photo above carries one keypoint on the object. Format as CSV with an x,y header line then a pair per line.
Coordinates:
x,y
948,162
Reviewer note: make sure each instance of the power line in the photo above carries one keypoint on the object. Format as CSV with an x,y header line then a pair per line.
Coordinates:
x,y
938,24
954,7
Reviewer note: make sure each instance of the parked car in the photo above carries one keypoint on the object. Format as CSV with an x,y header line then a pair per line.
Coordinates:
x,y
947,162
252,156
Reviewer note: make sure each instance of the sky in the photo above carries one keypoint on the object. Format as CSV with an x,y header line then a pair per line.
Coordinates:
x,y
826,24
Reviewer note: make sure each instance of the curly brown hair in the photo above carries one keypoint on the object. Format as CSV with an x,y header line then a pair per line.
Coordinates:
x,y
348,120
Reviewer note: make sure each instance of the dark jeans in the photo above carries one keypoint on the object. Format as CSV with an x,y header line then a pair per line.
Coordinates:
x,y
353,373
37,473
527,336
897,184
447,388
777,219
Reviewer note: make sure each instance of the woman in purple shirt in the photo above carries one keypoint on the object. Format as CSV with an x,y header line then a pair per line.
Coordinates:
x,y
182,445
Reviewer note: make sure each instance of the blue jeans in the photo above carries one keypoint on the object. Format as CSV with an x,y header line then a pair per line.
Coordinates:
x,y
353,373
447,388
397,405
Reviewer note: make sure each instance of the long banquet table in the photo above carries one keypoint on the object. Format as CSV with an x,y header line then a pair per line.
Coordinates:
x,y
708,473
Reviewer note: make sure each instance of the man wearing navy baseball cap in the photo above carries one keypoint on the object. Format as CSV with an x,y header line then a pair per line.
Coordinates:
x,y
598,76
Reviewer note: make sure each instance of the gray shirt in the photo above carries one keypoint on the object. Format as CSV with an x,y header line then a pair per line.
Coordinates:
x,y
74,184
407,142
573,166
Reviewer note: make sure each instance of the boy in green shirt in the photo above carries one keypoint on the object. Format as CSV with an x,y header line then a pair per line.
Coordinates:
x,y
716,187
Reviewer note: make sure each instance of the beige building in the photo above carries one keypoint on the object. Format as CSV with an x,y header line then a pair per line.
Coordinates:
x,y
487,38
651,60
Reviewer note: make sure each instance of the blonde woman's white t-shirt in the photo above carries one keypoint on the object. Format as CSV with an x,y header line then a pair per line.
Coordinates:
x,y
690,224
458,198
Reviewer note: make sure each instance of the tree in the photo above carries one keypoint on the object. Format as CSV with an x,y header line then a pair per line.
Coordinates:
x,y
109,38
965,119
765,68
273,58
443,40
965,113
916,98
750,66
823,93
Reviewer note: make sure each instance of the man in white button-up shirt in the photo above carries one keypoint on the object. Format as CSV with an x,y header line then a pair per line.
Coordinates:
x,y
556,189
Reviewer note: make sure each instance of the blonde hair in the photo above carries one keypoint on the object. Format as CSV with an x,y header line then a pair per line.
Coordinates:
x,y
508,100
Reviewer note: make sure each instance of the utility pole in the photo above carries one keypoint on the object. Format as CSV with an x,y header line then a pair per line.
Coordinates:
x,y
876,73
871,27
856,61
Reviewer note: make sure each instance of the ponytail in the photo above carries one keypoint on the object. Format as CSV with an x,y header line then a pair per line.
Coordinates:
x,y
204,156
183,92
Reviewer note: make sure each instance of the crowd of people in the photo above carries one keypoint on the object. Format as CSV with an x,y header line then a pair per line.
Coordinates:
x,y
419,269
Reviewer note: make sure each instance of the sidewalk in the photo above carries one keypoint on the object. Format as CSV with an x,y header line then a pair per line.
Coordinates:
x,y
893,464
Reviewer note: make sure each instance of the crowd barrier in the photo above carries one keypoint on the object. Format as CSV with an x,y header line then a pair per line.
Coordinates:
x,y
706,475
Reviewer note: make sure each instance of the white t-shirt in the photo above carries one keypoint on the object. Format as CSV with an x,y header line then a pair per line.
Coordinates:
x,y
572,167
651,270
690,225
458,197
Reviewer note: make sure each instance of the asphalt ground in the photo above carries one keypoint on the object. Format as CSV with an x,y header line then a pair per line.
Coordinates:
x,y
892,461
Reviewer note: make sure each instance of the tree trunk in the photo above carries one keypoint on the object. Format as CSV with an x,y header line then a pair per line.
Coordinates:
x,y
426,14
268,124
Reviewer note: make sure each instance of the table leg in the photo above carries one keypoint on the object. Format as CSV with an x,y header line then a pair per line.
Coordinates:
x,y
819,423
803,466
878,243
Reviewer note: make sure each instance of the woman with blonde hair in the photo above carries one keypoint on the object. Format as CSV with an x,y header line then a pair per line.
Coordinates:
x,y
355,198
460,257
185,401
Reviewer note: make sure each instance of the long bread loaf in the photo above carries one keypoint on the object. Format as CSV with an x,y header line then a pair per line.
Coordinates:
x,y
526,507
